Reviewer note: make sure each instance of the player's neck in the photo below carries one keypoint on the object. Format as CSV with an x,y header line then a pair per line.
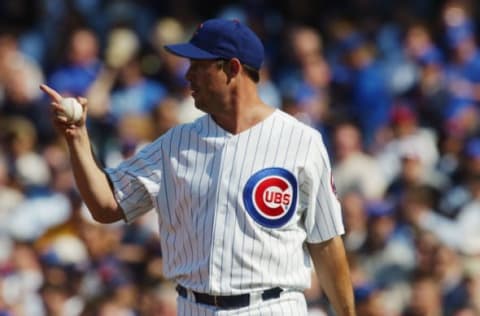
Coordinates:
x,y
243,108
241,118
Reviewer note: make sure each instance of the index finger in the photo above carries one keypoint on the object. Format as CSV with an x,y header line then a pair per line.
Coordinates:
x,y
52,93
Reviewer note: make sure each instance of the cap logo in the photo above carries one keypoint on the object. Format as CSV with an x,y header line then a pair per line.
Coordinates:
x,y
198,28
270,196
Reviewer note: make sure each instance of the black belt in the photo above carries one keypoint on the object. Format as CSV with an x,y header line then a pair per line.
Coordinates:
x,y
228,301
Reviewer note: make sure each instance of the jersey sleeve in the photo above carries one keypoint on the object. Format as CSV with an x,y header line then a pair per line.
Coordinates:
x,y
323,215
136,182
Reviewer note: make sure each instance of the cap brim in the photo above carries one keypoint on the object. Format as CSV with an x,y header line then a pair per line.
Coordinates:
x,y
189,50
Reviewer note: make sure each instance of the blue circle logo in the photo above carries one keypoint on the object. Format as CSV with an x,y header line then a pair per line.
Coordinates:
x,y
270,196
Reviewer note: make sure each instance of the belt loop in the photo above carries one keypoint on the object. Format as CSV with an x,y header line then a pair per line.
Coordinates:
x,y
256,297
191,296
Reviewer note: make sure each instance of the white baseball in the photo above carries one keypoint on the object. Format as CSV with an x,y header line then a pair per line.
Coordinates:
x,y
72,108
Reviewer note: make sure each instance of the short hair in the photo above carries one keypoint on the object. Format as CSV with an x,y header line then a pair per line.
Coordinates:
x,y
251,72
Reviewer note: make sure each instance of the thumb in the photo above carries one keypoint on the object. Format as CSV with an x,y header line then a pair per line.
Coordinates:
x,y
83,101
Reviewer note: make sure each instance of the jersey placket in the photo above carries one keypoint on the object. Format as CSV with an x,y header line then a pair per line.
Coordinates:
x,y
222,230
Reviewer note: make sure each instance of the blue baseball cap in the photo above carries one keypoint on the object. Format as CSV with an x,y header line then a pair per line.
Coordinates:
x,y
472,148
222,39
376,209
363,292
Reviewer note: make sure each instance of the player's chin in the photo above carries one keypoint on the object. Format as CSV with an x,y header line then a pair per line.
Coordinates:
x,y
198,103
199,106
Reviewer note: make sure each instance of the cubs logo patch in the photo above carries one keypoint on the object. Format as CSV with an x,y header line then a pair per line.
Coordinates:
x,y
270,196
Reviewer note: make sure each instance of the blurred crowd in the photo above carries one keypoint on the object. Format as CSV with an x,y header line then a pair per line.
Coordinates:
x,y
393,86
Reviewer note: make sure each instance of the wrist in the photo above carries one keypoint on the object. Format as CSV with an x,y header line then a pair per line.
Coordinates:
x,y
79,137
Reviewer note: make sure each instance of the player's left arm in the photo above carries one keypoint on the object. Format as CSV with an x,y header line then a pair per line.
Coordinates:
x,y
333,272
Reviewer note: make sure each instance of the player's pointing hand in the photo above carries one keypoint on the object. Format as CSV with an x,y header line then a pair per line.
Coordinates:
x,y
54,95
68,114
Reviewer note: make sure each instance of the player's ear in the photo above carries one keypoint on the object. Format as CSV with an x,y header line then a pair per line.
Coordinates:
x,y
233,67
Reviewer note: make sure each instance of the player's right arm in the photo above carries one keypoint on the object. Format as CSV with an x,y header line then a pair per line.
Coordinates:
x,y
331,267
91,181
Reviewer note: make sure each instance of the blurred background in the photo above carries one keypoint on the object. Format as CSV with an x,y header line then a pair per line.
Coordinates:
x,y
393,86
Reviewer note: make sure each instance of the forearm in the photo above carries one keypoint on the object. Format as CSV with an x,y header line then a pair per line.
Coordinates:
x,y
91,181
332,269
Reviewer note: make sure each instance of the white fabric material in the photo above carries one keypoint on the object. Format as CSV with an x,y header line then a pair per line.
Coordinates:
x,y
461,233
421,144
194,177
360,172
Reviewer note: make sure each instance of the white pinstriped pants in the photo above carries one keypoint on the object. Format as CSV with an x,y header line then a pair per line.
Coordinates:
x,y
288,304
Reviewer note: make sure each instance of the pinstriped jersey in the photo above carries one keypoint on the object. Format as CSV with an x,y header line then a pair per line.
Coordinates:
x,y
235,210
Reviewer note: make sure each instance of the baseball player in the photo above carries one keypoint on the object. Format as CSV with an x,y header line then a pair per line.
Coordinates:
x,y
244,193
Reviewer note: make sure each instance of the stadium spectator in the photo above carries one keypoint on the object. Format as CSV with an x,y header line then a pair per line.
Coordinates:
x,y
406,74
353,169
82,64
